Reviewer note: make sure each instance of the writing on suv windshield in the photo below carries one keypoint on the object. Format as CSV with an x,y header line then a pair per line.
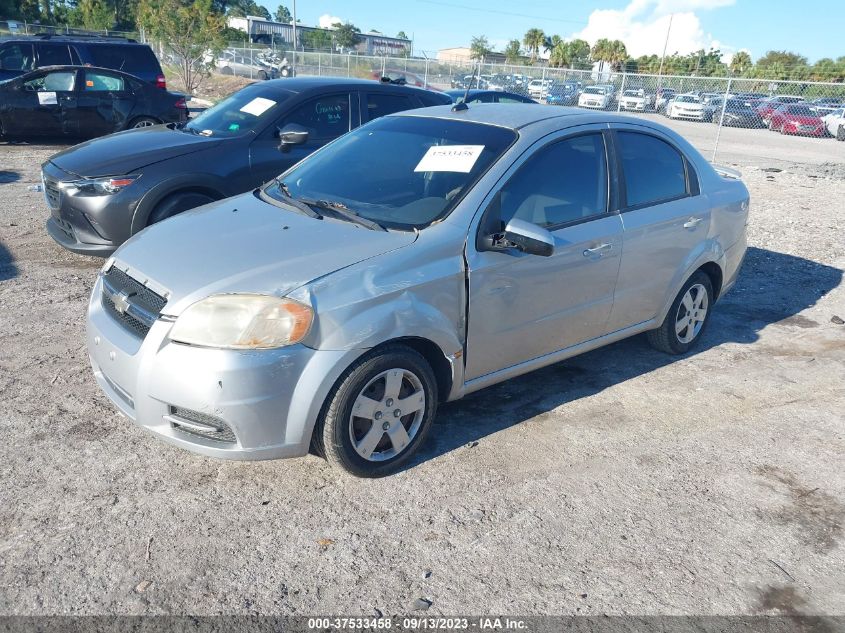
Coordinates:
x,y
398,172
242,112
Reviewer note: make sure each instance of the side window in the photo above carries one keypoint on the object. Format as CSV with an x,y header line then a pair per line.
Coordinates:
x,y
381,104
101,82
503,99
53,55
563,182
654,170
17,57
59,81
325,118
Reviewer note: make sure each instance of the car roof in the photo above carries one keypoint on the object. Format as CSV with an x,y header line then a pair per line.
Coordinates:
x,y
513,116
41,69
296,85
78,39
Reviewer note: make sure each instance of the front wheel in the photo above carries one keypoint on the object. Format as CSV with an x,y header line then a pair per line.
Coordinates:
x,y
176,203
687,317
379,413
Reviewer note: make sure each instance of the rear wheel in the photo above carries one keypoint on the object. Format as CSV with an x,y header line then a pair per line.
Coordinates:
x,y
379,413
687,317
177,203
840,133
262,75
226,70
144,121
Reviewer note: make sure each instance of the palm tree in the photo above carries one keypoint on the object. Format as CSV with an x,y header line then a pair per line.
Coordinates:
x,y
740,62
533,40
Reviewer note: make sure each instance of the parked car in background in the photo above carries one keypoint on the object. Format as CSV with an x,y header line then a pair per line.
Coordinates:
x,y
662,98
636,100
706,98
834,123
686,106
338,305
21,55
737,113
826,105
537,87
599,96
103,191
231,62
769,105
563,93
83,101
487,96
796,118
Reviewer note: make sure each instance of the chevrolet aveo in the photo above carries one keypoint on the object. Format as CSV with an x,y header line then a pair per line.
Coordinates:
x,y
419,258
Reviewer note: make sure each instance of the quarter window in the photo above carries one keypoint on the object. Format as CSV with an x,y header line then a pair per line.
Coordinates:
x,y
381,104
563,182
654,170
324,118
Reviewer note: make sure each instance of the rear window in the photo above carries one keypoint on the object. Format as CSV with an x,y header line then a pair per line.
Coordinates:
x,y
130,58
381,104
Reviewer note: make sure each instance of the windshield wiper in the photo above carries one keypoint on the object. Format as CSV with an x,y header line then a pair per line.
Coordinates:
x,y
300,206
345,212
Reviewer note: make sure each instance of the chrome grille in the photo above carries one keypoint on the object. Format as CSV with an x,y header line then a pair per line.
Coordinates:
x,y
201,425
129,302
52,193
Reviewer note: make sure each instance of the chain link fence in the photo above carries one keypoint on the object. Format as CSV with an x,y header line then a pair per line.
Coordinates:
x,y
21,27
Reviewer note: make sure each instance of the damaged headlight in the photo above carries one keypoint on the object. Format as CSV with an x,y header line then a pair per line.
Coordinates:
x,y
100,186
243,321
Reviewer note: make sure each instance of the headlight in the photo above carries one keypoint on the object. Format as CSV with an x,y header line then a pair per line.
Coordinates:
x,y
100,186
242,321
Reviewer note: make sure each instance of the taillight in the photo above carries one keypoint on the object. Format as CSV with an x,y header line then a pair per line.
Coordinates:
x,y
182,104
161,82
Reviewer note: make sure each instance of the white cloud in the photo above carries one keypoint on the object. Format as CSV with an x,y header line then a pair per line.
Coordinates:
x,y
326,21
642,25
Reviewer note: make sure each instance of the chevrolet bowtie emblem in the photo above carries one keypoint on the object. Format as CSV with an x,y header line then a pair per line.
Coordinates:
x,y
120,301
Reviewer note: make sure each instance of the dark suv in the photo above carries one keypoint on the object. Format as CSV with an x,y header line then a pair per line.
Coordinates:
x,y
104,191
24,54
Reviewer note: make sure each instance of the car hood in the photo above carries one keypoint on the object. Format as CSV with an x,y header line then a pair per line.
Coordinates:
x,y
129,151
243,244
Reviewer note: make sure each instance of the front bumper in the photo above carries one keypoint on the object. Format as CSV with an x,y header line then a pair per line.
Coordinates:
x,y
632,105
266,399
804,130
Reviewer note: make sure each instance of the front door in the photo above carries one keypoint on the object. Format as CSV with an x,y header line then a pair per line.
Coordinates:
x,y
325,117
41,105
524,306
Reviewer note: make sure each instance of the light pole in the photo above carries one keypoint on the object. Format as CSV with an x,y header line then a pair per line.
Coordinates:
x,y
293,62
665,44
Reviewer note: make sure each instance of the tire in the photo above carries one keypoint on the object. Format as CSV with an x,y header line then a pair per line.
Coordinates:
x,y
667,338
142,122
226,70
771,126
176,203
262,75
364,446
840,133
284,72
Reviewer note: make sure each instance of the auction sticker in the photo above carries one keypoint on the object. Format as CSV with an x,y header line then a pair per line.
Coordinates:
x,y
459,158
47,98
258,106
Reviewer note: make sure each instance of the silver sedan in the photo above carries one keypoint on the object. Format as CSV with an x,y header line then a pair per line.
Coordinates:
x,y
419,258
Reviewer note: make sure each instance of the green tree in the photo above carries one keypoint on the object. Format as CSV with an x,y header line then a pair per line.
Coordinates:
x,y
318,39
346,35
192,32
741,63
513,52
533,40
92,14
479,47
611,51
579,53
283,15
781,65
243,8
552,42
401,35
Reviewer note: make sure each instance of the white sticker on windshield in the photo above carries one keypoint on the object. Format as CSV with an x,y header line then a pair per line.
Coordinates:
x,y
47,98
458,158
258,106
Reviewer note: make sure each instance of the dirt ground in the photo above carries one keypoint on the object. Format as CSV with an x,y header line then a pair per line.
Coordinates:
x,y
620,481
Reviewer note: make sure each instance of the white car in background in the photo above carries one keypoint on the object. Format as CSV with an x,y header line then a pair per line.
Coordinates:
x,y
637,100
599,97
834,124
537,88
686,106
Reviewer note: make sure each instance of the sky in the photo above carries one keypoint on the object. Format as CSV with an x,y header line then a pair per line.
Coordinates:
x,y
755,26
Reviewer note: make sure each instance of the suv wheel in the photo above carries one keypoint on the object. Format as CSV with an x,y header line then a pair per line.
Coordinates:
x,y
379,413
144,121
687,317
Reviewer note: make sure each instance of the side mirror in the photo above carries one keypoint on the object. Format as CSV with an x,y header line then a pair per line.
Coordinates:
x,y
291,134
529,238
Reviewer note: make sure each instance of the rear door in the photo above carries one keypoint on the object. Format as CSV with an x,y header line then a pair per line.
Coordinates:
x,y
41,105
666,220
53,54
325,117
103,104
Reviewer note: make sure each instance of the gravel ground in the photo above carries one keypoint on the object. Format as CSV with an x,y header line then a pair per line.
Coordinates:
x,y
621,481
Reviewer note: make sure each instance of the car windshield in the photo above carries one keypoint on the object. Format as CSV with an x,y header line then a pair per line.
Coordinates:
x,y
800,111
686,99
246,110
402,172
594,90
632,93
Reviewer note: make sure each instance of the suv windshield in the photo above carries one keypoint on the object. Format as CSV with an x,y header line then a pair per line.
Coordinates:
x,y
402,172
243,111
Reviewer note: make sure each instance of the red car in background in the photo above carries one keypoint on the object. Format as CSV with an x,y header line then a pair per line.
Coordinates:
x,y
767,106
798,118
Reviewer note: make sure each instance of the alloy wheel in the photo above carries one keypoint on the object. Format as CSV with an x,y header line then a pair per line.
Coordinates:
x,y
387,414
692,312
144,123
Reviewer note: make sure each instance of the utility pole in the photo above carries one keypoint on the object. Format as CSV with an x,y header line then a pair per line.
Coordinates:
x,y
665,44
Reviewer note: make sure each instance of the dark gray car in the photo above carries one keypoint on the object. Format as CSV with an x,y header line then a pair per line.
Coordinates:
x,y
103,191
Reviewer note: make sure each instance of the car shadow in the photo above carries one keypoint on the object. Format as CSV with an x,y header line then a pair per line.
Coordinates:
x,y
8,176
8,268
773,287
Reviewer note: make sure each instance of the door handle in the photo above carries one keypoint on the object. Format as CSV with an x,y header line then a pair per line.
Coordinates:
x,y
692,223
597,250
